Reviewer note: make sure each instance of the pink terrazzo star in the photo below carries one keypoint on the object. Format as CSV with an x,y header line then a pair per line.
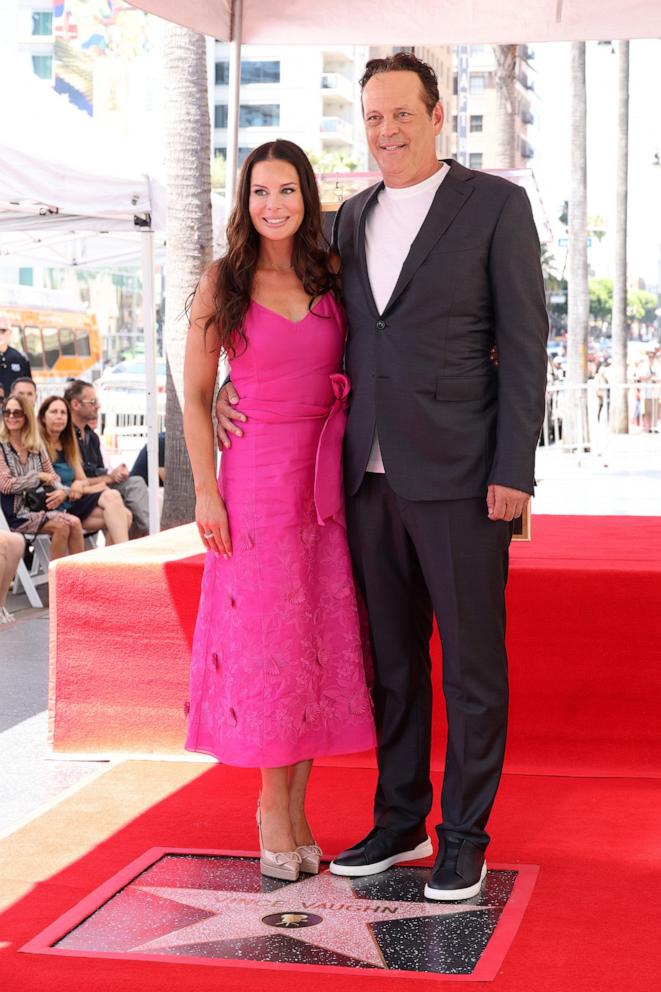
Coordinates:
x,y
342,929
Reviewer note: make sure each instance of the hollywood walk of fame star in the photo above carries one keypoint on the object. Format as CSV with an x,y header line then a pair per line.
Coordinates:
x,y
342,930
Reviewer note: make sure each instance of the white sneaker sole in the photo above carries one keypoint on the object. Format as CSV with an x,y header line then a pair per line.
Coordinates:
x,y
451,895
358,871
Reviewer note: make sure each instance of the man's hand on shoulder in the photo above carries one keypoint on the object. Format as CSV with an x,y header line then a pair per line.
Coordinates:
x,y
227,415
504,503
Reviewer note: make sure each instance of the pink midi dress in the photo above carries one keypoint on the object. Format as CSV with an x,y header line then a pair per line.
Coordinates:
x,y
278,670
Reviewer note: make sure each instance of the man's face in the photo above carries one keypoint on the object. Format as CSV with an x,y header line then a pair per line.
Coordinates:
x,y
5,334
400,132
86,406
26,390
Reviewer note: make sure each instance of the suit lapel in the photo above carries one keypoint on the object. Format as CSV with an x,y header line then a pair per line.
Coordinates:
x,y
359,242
455,190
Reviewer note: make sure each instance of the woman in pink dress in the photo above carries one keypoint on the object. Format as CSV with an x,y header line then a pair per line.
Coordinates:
x,y
277,671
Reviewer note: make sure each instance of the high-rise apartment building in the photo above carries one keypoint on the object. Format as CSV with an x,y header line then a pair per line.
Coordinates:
x,y
307,94
482,105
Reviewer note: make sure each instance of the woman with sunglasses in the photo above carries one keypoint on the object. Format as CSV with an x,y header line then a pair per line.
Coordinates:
x,y
25,466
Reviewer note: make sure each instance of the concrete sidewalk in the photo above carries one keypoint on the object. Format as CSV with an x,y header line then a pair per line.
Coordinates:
x,y
622,478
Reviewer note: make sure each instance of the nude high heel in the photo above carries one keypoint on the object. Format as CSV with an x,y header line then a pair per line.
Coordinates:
x,y
310,855
277,864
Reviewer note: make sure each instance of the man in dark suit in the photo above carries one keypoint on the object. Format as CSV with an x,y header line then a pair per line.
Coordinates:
x,y
439,265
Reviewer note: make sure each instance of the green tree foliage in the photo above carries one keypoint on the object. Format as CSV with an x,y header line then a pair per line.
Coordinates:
x,y
641,304
601,299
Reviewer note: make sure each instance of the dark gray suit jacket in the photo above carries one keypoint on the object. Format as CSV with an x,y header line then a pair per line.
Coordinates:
x,y
449,422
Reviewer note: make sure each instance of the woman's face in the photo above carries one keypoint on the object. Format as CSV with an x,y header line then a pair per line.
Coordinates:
x,y
56,418
13,415
276,204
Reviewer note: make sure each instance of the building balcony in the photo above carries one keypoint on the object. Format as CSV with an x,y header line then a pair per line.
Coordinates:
x,y
334,129
527,117
335,86
527,151
525,81
339,53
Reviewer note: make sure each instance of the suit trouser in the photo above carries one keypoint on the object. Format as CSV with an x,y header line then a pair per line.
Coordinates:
x,y
414,559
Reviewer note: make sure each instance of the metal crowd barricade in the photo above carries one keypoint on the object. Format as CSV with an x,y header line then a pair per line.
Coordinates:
x,y
586,407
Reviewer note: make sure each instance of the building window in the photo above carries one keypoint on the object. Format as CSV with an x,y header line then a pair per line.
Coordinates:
x,y
455,85
243,154
477,82
260,72
42,66
477,49
475,160
476,123
250,115
259,115
42,22
454,123
220,152
254,71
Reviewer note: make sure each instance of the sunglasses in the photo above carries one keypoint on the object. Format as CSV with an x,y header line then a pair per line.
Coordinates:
x,y
15,414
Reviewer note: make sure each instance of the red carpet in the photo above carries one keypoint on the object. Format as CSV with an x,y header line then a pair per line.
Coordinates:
x,y
584,629
592,923
582,798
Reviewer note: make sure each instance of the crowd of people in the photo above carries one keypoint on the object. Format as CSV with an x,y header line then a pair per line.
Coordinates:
x,y
53,479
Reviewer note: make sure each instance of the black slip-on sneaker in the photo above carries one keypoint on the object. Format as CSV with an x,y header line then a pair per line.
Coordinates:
x,y
382,849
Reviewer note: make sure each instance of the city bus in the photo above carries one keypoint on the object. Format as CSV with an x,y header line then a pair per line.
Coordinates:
x,y
57,333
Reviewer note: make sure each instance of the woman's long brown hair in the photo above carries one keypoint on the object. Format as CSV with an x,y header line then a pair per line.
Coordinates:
x,y
233,274
67,439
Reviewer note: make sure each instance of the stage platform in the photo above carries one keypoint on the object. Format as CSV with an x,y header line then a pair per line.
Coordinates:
x,y
583,631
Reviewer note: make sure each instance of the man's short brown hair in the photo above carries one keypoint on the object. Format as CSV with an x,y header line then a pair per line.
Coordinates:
x,y
406,62
75,388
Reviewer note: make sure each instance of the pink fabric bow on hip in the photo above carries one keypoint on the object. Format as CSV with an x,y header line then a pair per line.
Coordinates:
x,y
328,496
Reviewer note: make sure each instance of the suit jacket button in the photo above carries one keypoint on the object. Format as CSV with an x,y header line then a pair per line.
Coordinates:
x,y
380,325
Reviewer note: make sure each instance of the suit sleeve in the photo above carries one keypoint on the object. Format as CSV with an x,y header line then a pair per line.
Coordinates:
x,y
335,241
521,331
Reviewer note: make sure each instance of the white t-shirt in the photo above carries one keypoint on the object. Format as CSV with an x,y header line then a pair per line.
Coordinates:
x,y
392,227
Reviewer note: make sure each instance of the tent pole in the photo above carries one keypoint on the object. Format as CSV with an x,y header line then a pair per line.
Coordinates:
x,y
233,107
151,387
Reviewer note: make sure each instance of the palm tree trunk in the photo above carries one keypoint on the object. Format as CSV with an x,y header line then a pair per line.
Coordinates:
x,y
505,56
189,240
577,282
619,419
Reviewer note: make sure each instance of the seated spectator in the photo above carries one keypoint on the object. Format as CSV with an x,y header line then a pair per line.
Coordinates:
x,y
90,500
141,465
12,547
13,363
25,467
84,405
24,386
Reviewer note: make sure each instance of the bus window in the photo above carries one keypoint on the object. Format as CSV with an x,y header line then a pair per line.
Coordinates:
x,y
83,343
16,340
51,346
33,348
67,341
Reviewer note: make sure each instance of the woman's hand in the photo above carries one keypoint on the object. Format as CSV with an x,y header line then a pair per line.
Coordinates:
x,y
76,490
55,499
48,478
213,523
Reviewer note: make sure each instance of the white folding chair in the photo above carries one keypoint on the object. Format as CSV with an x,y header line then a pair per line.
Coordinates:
x,y
38,574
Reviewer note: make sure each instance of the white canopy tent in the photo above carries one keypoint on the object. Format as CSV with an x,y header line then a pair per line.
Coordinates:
x,y
441,22
63,185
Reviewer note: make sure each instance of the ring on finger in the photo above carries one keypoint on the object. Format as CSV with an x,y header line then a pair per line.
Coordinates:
x,y
208,534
